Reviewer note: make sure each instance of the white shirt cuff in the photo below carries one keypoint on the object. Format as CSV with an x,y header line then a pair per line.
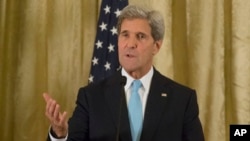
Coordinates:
x,y
55,139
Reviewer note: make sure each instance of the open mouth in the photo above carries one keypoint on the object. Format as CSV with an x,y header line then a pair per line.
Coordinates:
x,y
129,55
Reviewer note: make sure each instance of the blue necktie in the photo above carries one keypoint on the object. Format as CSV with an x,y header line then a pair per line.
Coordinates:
x,y
135,111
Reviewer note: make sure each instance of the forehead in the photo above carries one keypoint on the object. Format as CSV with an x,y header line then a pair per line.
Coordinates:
x,y
135,25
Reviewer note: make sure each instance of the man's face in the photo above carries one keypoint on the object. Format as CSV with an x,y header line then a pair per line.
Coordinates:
x,y
136,46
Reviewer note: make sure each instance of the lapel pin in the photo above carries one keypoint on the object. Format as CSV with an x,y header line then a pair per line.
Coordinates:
x,y
164,95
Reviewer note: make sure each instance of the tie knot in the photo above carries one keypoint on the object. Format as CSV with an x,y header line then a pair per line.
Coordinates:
x,y
136,85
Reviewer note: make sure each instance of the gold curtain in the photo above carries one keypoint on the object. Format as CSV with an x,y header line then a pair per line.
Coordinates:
x,y
46,46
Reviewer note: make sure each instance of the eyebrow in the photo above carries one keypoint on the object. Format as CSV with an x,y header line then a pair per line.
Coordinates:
x,y
126,31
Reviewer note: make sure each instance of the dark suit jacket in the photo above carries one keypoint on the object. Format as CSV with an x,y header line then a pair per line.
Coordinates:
x,y
171,117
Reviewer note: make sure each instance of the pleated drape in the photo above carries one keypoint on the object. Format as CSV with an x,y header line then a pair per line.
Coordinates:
x,y
46,46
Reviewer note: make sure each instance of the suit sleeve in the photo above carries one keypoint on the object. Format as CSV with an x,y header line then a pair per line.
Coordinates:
x,y
79,122
192,130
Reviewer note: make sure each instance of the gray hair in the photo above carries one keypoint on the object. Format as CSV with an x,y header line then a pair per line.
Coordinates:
x,y
154,18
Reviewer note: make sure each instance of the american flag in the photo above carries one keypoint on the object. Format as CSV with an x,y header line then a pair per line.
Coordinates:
x,y
105,56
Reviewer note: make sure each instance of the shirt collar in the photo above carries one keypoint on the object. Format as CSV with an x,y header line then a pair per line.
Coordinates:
x,y
145,80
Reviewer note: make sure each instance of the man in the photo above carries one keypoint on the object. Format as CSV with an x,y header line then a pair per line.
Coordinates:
x,y
169,111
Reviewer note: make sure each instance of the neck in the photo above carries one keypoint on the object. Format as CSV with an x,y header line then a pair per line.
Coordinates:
x,y
138,74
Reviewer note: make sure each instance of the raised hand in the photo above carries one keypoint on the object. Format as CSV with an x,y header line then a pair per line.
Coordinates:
x,y
58,120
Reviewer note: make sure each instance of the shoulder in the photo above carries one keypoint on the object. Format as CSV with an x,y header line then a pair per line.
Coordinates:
x,y
100,86
170,84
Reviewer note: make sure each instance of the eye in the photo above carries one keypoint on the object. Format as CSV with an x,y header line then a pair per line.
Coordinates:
x,y
141,36
124,34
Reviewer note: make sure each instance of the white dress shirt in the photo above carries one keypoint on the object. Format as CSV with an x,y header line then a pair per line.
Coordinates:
x,y
143,92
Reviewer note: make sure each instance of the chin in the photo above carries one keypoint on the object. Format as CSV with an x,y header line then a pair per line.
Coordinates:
x,y
129,69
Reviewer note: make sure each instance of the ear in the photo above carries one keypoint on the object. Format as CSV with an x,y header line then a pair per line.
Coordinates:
x,y
157,46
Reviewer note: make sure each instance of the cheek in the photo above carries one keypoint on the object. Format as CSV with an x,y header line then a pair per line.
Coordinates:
x,y
147,51
120,51
147,55
119,48
121,43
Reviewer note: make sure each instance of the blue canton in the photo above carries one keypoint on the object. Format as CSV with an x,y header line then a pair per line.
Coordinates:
x,y
105,57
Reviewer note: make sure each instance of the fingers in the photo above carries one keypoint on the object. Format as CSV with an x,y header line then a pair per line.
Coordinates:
x,y
63,120
58,120
46,97
56,113
53,110
50,107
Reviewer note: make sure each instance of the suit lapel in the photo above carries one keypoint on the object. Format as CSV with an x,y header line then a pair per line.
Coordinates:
x,y
155,106
113,97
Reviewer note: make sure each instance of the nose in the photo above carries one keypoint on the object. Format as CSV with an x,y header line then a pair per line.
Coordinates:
x,y
132,42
